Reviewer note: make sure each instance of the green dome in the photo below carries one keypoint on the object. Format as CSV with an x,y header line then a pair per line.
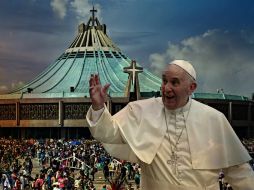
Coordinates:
x,y
92,51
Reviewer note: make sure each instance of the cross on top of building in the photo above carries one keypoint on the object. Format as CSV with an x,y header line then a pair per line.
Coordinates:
x,y
133,70
93,13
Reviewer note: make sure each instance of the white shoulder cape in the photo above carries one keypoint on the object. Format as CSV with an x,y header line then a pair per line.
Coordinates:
x,y
213,143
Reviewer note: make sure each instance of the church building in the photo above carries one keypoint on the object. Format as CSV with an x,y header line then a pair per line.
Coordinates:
x,y
54,104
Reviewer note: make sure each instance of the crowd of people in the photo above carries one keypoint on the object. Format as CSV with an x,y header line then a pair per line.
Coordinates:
x,y
249,144
68,164
64,164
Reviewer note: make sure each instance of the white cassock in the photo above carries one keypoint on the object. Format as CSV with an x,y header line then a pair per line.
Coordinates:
x,y
200,136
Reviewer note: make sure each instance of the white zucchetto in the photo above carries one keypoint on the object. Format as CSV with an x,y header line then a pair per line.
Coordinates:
x,y
185,65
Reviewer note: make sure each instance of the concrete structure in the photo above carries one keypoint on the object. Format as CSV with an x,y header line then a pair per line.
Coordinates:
x,y
54,104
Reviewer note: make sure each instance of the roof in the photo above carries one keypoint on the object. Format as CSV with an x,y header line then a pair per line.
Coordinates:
x,y
93,51
219,96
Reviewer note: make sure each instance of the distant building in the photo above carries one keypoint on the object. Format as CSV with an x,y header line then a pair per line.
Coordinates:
x,y
54,104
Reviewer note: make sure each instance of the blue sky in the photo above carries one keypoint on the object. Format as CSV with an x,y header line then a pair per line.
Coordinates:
x,y
217,36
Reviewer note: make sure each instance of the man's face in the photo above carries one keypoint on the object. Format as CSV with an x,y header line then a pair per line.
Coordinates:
x,y
176,87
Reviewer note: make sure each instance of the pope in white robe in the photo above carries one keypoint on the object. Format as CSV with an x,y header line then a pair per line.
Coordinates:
x,y
179,143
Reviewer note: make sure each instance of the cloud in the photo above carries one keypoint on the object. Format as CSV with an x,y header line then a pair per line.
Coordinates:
x,y
59,7
82,9
17,84
3,89
222,59
24,61
8,88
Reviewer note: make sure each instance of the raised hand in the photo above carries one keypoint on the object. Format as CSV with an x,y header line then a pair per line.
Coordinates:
x,y
98,93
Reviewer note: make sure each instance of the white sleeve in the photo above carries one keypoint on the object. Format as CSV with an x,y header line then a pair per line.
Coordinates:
x,y
95,115
103,127
240,177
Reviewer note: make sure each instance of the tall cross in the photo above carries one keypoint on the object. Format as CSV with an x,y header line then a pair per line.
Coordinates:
x,y
93,17
133,70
